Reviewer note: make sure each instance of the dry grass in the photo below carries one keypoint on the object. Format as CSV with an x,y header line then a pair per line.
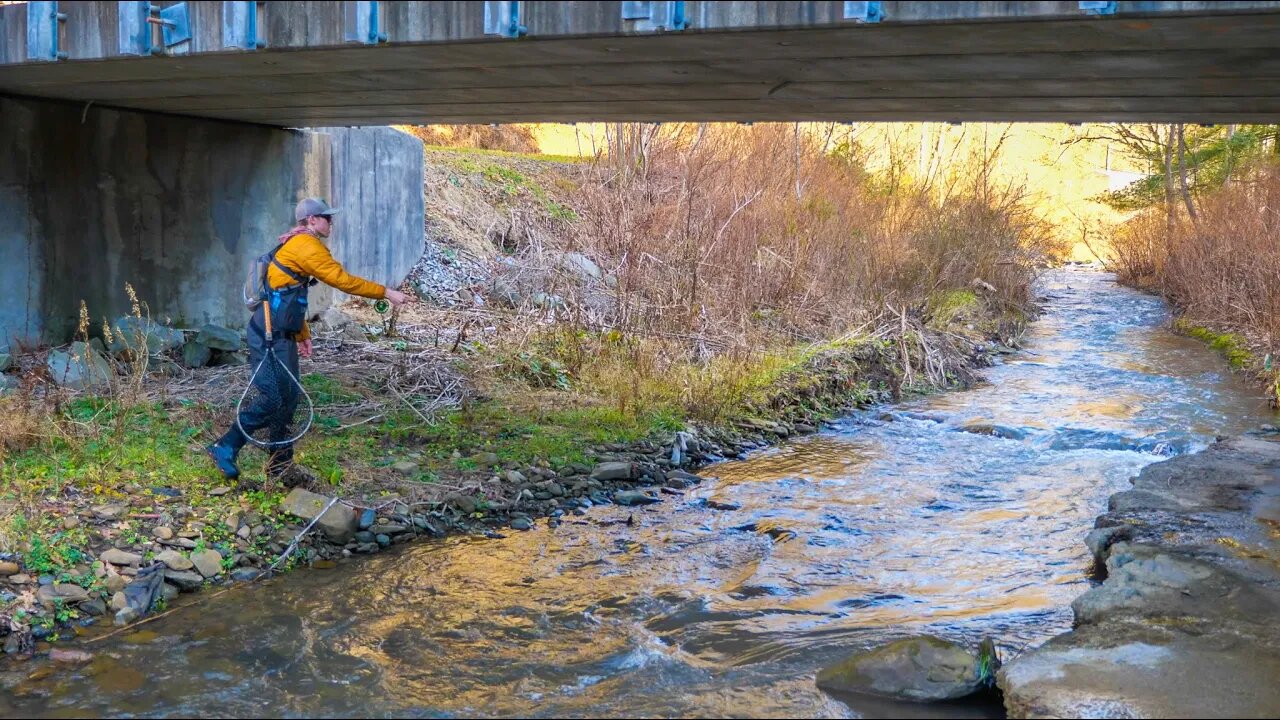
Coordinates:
x,y
1221,269
511,138
730,251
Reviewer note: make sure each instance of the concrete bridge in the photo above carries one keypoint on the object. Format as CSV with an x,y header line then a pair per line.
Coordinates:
x,y
145,142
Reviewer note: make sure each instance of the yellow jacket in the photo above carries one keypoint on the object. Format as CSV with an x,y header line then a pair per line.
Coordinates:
x,y
306,255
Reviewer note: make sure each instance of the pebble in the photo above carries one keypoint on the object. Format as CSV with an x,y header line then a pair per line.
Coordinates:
x,y
163,533
367,518
8,568
383,539
219,491
20,579
521,524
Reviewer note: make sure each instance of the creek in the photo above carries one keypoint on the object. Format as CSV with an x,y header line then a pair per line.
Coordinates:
x,y
892,521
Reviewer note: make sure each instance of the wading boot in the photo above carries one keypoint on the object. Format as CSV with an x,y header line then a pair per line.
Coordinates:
x,y
225,460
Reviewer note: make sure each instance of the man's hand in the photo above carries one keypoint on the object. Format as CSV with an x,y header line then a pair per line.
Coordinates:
x,y
304,348
396,297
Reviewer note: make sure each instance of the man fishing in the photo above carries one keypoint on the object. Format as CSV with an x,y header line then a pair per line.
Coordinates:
x,y
299,261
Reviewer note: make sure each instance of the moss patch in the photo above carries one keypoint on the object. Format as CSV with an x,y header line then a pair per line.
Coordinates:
x,y
1230,345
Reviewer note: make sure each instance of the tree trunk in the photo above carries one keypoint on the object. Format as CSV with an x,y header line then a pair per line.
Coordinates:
x,y
1168,182
1182,174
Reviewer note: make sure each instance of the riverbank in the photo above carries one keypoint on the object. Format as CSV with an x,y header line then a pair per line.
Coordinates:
x,y
564,354
97,514
1185,623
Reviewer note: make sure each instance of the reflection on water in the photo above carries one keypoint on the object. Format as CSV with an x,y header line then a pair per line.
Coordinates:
x,y
886,524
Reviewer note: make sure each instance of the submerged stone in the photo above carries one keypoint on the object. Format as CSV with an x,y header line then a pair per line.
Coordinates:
x,y
921,669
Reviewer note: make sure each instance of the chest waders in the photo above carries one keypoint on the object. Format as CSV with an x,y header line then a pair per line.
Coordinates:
x,y
273,392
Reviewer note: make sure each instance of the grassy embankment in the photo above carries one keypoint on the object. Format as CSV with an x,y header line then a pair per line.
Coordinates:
x,y
744,274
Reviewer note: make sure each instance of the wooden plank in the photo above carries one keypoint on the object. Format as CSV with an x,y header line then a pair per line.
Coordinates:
x,y
1082,67
989,115
1136,88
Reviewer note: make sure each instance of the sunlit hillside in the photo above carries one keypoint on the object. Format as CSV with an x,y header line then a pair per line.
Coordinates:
x,y
1061,175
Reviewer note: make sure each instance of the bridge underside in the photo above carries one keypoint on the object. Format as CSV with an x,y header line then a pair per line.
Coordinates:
x,y
1189,68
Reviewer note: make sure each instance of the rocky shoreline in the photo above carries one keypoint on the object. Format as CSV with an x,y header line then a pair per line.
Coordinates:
x,y
140,552
1187,620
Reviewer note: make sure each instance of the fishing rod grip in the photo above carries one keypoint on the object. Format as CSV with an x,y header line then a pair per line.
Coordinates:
x,y
266,317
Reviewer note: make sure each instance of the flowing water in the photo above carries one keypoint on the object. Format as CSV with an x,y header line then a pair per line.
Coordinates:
x,y
890,522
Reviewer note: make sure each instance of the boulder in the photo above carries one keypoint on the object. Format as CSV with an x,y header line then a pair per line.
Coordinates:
x,y
613,471
94,607
207,562
185,580
981,427
338,524
406,468
68,593
505,293
633,497
218,338
79,367
196,354
581,265
223,358
920,669
174,560
333,319
466,505
133,335
115,556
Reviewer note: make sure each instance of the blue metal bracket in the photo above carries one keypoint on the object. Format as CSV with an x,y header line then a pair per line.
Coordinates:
x,y
240,25
504,18
362,22
43,22
136,18
1098,7
651,16
864,12
175,24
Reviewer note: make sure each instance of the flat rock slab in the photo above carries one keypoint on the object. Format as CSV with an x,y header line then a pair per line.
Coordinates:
x,y
1102,673
1187,622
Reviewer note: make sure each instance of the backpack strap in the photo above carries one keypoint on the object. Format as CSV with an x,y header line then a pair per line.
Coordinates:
x,y
299,279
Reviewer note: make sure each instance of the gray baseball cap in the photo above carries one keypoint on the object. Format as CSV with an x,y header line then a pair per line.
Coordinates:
x,y
312,206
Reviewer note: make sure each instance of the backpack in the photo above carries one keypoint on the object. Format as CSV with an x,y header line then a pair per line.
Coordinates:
x,y
288,304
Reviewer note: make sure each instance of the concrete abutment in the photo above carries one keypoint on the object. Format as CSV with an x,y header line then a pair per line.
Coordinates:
x,y
93,198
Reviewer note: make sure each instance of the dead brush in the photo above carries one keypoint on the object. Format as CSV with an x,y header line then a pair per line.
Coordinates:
x,y
1221,268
